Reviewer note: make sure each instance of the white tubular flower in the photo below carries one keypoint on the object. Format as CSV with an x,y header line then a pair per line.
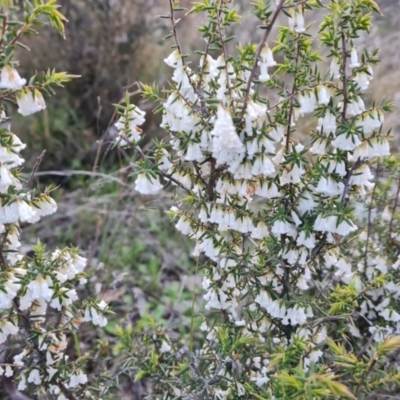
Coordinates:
x,y
262,166
282,227
22,383
165,347
374,147
267,57
226,146
299,22
10,79
267,191
319,146
216,299
77,379
329,187
306,203
264,75
327,124
44,205
11,288
174,59
362,177
266,60
129,123
40,289
346,142
17,210
146,185
292,175
6,329
325,224
30,103
194,153
255,116
345,228
7,179
335,68
308,103
354,58
211,70
355,107
371,121
67,296
9,156
324,95
9,371
34,377
92,315
244,225
306,239
261,231
183,226
362,79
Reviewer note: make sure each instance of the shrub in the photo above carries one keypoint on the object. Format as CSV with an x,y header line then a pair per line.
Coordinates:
x,y
296,241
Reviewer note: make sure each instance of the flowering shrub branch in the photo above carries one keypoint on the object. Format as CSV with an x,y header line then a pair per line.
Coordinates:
x,y
39,303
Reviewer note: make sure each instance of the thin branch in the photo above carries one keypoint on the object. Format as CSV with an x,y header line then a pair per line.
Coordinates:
x,y
259,50
345,92
35,167
3,243
174,31
370,368
394,207
289,127
348,178
66,392
369,216
203,69
228,82
169,177
3,30
88,173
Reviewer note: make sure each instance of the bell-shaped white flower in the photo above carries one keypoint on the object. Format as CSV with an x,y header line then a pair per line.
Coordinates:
x,y
10,79
308,102
7,179
226,145
30,103
147,185
7,328
327,124
173,59
355,107
96,316
76,379
299,22
323,95
354,58
267,57
34,377
374,147
346,142
334,68
129,123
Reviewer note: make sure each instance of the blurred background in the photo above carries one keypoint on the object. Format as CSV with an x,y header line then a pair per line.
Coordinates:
x,y
140,263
